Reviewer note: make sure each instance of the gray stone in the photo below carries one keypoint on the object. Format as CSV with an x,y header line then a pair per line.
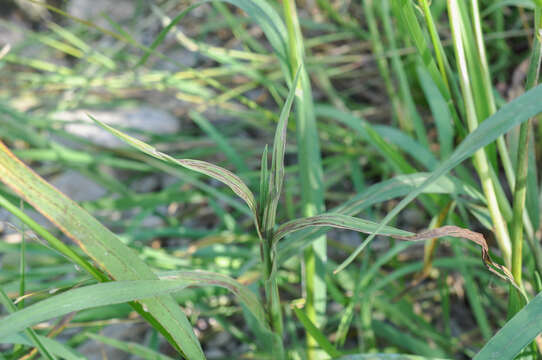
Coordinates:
x,y
143,119
77,187
119,10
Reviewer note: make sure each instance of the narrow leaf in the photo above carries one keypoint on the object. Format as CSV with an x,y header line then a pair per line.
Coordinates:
x,y
336,221
369,227
102,246
114,292
510,115
216,172
277,162
517,333
316,334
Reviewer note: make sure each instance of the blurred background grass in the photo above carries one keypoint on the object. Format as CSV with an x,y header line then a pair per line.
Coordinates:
x,y
212,90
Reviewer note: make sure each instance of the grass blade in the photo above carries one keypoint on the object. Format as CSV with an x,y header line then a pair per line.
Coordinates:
x,y
316,334
101,245
114,292
56,347
276,175
45,351
515,334
336,221
510,115
216,172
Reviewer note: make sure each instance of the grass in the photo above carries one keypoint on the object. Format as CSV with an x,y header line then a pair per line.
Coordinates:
x,y
409,128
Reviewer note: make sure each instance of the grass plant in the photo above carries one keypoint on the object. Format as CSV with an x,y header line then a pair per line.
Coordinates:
x,y
414,120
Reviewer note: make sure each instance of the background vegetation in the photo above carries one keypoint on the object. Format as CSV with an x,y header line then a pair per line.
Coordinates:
x,y
307,180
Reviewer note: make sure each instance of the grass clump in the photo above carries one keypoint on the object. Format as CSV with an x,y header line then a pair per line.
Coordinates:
x,y
387,99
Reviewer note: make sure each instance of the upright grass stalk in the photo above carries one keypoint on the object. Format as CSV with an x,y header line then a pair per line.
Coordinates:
x,y
311,176
481,161
413,117
382,63
520,189
435,40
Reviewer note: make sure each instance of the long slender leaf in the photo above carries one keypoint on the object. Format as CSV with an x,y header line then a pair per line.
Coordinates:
x,y
216,172
101,245
114,292
316,334
56,347
517,333
277,164
510,115
398,186
336,221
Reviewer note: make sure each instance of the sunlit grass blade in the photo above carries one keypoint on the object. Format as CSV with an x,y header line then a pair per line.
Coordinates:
x,y
310,172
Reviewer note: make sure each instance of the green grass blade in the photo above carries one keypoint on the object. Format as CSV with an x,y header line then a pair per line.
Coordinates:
x,y
515,334
264,183
337,221
216,172
114,292
56,347
510,115
276,175
310,171
45,351
316,334
101,245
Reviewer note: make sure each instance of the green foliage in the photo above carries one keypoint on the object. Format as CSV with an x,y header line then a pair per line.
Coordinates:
x,y
388,99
